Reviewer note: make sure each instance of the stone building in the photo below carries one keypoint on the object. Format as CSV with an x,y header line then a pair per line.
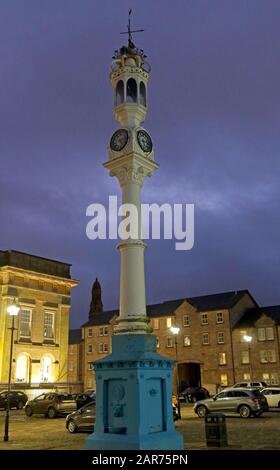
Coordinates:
x,y
42,288
75,361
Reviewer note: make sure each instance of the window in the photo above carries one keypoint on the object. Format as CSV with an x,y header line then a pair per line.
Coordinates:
x,y
131,91
187,340
266,377
265,334
48,325
224,380
186,320
25,322
71,367
169,342
245,357
205,338
247,376
22,368
89,333
157,342
119,93
155,323
268,355
46,369
242,333
89,348
204,318
220,317
89,366
220,337
274,378
142,94
103,348
168,322
222,358
103,331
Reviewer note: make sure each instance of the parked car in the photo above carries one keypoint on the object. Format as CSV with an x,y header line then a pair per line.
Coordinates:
x,y
85,398
193,394
248,384
272,394
51,405
82,419
17,399
246,402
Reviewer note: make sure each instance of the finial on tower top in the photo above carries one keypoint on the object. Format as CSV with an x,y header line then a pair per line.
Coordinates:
x,y
129,32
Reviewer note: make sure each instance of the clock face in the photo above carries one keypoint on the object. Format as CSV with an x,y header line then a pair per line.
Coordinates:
x,y
119,140
145,141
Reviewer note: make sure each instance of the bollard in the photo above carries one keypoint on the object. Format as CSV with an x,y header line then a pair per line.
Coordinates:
x,y
216,430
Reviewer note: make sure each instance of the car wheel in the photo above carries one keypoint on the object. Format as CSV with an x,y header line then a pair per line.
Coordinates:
x,y
201,411
51,413
71,426
244,411
20,405
28,411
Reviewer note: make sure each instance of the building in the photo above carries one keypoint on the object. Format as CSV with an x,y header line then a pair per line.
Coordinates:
x,y
75,361
42,288
210,346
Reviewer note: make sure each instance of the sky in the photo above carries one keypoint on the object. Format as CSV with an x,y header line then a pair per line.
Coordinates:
x,y
214,116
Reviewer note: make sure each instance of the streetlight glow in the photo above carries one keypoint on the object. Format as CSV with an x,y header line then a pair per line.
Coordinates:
x,y
13,309
247,338
175,330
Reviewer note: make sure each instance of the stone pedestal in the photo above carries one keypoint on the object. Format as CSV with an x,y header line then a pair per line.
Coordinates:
x,y
134,398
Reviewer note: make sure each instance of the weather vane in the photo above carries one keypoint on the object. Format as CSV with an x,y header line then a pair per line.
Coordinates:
x,y
129,32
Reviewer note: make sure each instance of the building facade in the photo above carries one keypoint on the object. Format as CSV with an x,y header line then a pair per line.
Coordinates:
x,y
42,288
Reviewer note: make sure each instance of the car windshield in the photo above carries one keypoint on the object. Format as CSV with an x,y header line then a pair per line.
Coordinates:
x,y
256,393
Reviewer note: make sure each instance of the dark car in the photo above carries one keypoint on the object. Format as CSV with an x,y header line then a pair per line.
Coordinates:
x,y
83,399
51,405
193,394
17,400
82,419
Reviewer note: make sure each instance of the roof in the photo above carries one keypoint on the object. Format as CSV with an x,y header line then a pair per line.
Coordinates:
x,y
167,308
252,315
75,336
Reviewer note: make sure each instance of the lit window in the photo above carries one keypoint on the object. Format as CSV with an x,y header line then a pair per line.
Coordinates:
x,y
220,337
274,378
247,377
269,333
186,320
46,369
155,323
169,322
89,348
90,332
169,342
49,325
224,380
220,317
187,340
204,318
22,368
205,338
25,322
266,378
222,358
261,334
242,334
268,355
245,357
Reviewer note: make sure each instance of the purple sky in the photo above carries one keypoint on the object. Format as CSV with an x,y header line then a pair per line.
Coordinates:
x,y
214,114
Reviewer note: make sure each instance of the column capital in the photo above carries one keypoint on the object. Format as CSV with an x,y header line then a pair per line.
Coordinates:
x,y
131,168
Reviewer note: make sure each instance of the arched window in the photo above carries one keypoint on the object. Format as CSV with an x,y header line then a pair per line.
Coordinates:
x,y
46,369
22,368
131,91
119,93
143,94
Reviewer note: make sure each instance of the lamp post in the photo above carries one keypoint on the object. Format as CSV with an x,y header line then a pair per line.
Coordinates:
x,y
175,330
13,311
248,340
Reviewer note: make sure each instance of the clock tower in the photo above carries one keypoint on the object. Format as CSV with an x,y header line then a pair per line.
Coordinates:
x,y
134,382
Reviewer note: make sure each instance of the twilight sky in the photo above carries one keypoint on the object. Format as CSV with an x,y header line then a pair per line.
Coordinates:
x,y
214,114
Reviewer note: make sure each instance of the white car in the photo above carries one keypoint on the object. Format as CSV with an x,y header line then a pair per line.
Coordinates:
x,y
272,394
249,384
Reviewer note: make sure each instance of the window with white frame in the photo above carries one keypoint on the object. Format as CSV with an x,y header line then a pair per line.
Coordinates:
x,y
22,368
187,340
245,357
204,318
25,322
247,376
220,337
89,333
205,338
168,322
186,320
242,335
222,358
155,323
268,355
103,348
103,331
90,349
224,380
266,334
220,317
49,325
274,380
169,342
46,369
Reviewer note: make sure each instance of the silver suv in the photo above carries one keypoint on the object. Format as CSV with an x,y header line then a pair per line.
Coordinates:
x,y
246,402
249,384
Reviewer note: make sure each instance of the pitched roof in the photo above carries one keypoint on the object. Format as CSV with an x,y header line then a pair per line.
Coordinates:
x,y
252,315
101,318
217,301
75,336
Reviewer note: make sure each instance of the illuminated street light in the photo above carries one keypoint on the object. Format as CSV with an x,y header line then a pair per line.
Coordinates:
x,y
13,311
175,330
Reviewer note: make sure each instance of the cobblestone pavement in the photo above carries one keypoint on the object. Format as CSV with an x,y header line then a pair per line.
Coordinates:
x,y
38,432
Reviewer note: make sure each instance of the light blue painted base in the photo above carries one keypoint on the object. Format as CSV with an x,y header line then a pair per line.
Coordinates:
x,y
134,398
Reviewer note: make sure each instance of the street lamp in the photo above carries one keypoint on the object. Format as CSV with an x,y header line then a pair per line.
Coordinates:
x,y
13,311
175,330
248,340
